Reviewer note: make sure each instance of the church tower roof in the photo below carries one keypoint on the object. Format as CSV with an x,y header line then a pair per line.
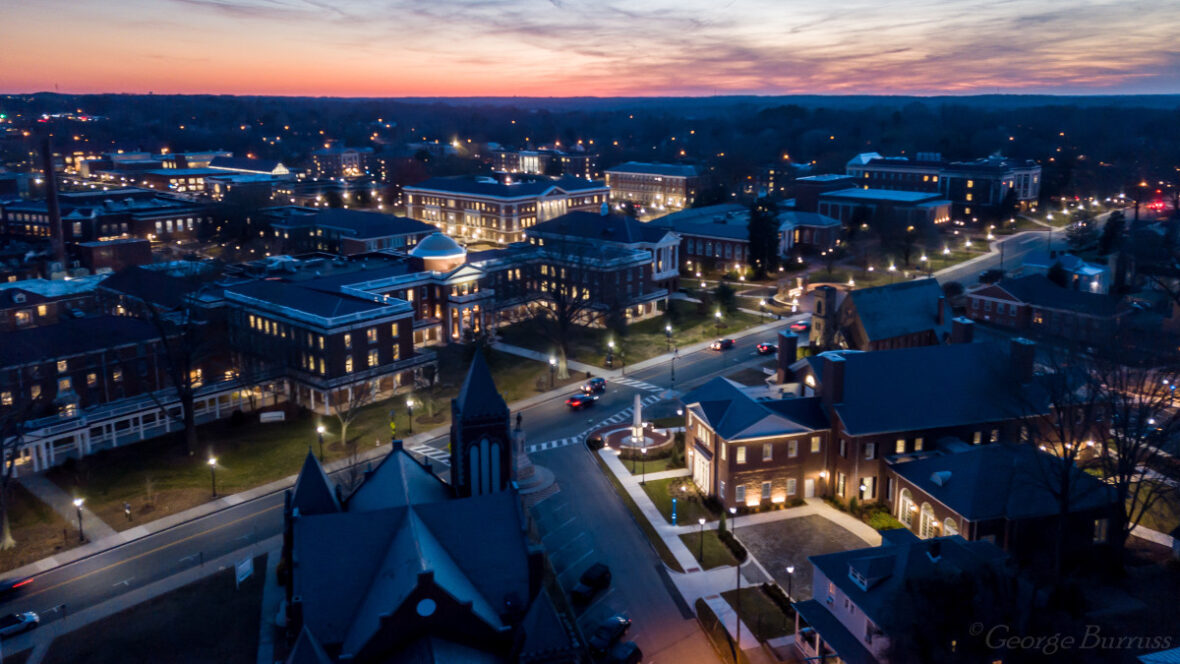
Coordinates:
x,y
313,492
479,396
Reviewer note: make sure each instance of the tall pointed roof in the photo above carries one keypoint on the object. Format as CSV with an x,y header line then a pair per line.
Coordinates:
x,y
398,480
307,650
313,492
479,396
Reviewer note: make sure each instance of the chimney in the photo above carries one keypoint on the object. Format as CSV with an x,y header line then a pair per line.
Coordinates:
x,y
788,352
1022,352
941,310
832,390
396,444
51,203
962,330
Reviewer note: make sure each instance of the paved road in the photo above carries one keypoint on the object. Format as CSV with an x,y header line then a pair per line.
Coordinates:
x,y
1015,248
109,574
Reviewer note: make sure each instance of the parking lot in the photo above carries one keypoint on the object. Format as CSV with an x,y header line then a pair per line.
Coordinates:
x,y
788,542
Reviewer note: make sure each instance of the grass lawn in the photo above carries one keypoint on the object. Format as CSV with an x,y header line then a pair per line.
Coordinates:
x,y
657,542
653,466
38,530
716,554
752,376
671,422
206,621
250,454
643,340
1163,516
687,511
760,614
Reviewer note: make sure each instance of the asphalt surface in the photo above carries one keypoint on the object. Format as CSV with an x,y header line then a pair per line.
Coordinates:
x,y
640,589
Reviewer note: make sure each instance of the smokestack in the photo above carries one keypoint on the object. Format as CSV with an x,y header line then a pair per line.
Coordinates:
x,y
51,203
942,310
962,330
788,352
832,390
1023,353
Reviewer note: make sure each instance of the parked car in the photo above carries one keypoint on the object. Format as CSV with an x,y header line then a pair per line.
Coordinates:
x,y
15,623
595,578
594,386
801,326
765,348
722,344
580,401
13,585
625,653
607,633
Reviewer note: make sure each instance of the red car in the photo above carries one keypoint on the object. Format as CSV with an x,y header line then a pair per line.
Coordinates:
x,y
766,348
722,344
580,401
800,326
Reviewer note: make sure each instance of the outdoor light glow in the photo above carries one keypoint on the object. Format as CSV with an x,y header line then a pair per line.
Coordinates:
x,y
78,502
320,429
212,461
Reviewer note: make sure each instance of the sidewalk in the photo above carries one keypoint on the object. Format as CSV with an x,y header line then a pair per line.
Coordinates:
x,y
63,503
113,539
40,639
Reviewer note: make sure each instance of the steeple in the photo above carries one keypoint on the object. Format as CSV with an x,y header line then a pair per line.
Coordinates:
x,y
481,437
313,492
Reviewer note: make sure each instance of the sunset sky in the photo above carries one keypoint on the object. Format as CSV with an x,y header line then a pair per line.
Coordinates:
x,y
567,48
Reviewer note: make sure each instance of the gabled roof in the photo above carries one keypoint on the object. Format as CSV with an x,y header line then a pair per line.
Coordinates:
x,y
894,196
307,650
734,415
521,188
72,336
293,295
899,309
807,219
894,563
646,168
1001,481
601,227
313,493
479,397
397,481
927,387
245,164
362,224
1039,291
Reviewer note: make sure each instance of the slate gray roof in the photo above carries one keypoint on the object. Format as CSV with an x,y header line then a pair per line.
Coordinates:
x,y
808,219
1002,481
307,650
1039,291
294,295
604,227
899,309
398,480
734,415
154,286
72,336
244,164
479,397
363,224
928,387
834,633
313,492
895,196
896,562
667,170
517,189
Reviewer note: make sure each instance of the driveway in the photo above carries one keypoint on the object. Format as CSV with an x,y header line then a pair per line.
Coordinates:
x,y
788,542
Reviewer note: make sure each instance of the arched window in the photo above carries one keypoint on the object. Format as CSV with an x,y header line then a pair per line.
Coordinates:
x,y
905,508
949,527
928,523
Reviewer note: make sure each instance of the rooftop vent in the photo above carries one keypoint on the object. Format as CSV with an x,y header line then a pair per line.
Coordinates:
x,y
941,478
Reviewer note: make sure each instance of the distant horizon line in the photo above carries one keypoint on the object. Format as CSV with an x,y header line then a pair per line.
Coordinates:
x,y
835,95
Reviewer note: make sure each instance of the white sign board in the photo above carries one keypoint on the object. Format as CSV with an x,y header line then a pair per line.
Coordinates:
x,y
272,416
244,569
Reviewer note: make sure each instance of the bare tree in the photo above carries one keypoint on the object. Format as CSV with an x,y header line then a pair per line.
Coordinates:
x,y
1137,393
1062,414
346,404
12,439
566,286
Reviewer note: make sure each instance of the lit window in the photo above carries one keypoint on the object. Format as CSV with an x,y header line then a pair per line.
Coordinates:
x,y
741,454
62,365
899,448
816,441
374,358
348,341
348,364
117,375
5,398
970,184
977,438
63,385
371,335
42,310
767,451
35,391
766,491
740,493
917,444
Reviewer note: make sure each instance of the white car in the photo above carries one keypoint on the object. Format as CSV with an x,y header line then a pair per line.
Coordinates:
x,y
15,623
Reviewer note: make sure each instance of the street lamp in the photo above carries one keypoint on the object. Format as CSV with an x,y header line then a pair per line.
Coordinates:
x,y
213,474
643,476
610,354
701,542
320,430
78,506
762,308
717,316
790,581
668,335
552,370
410,415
